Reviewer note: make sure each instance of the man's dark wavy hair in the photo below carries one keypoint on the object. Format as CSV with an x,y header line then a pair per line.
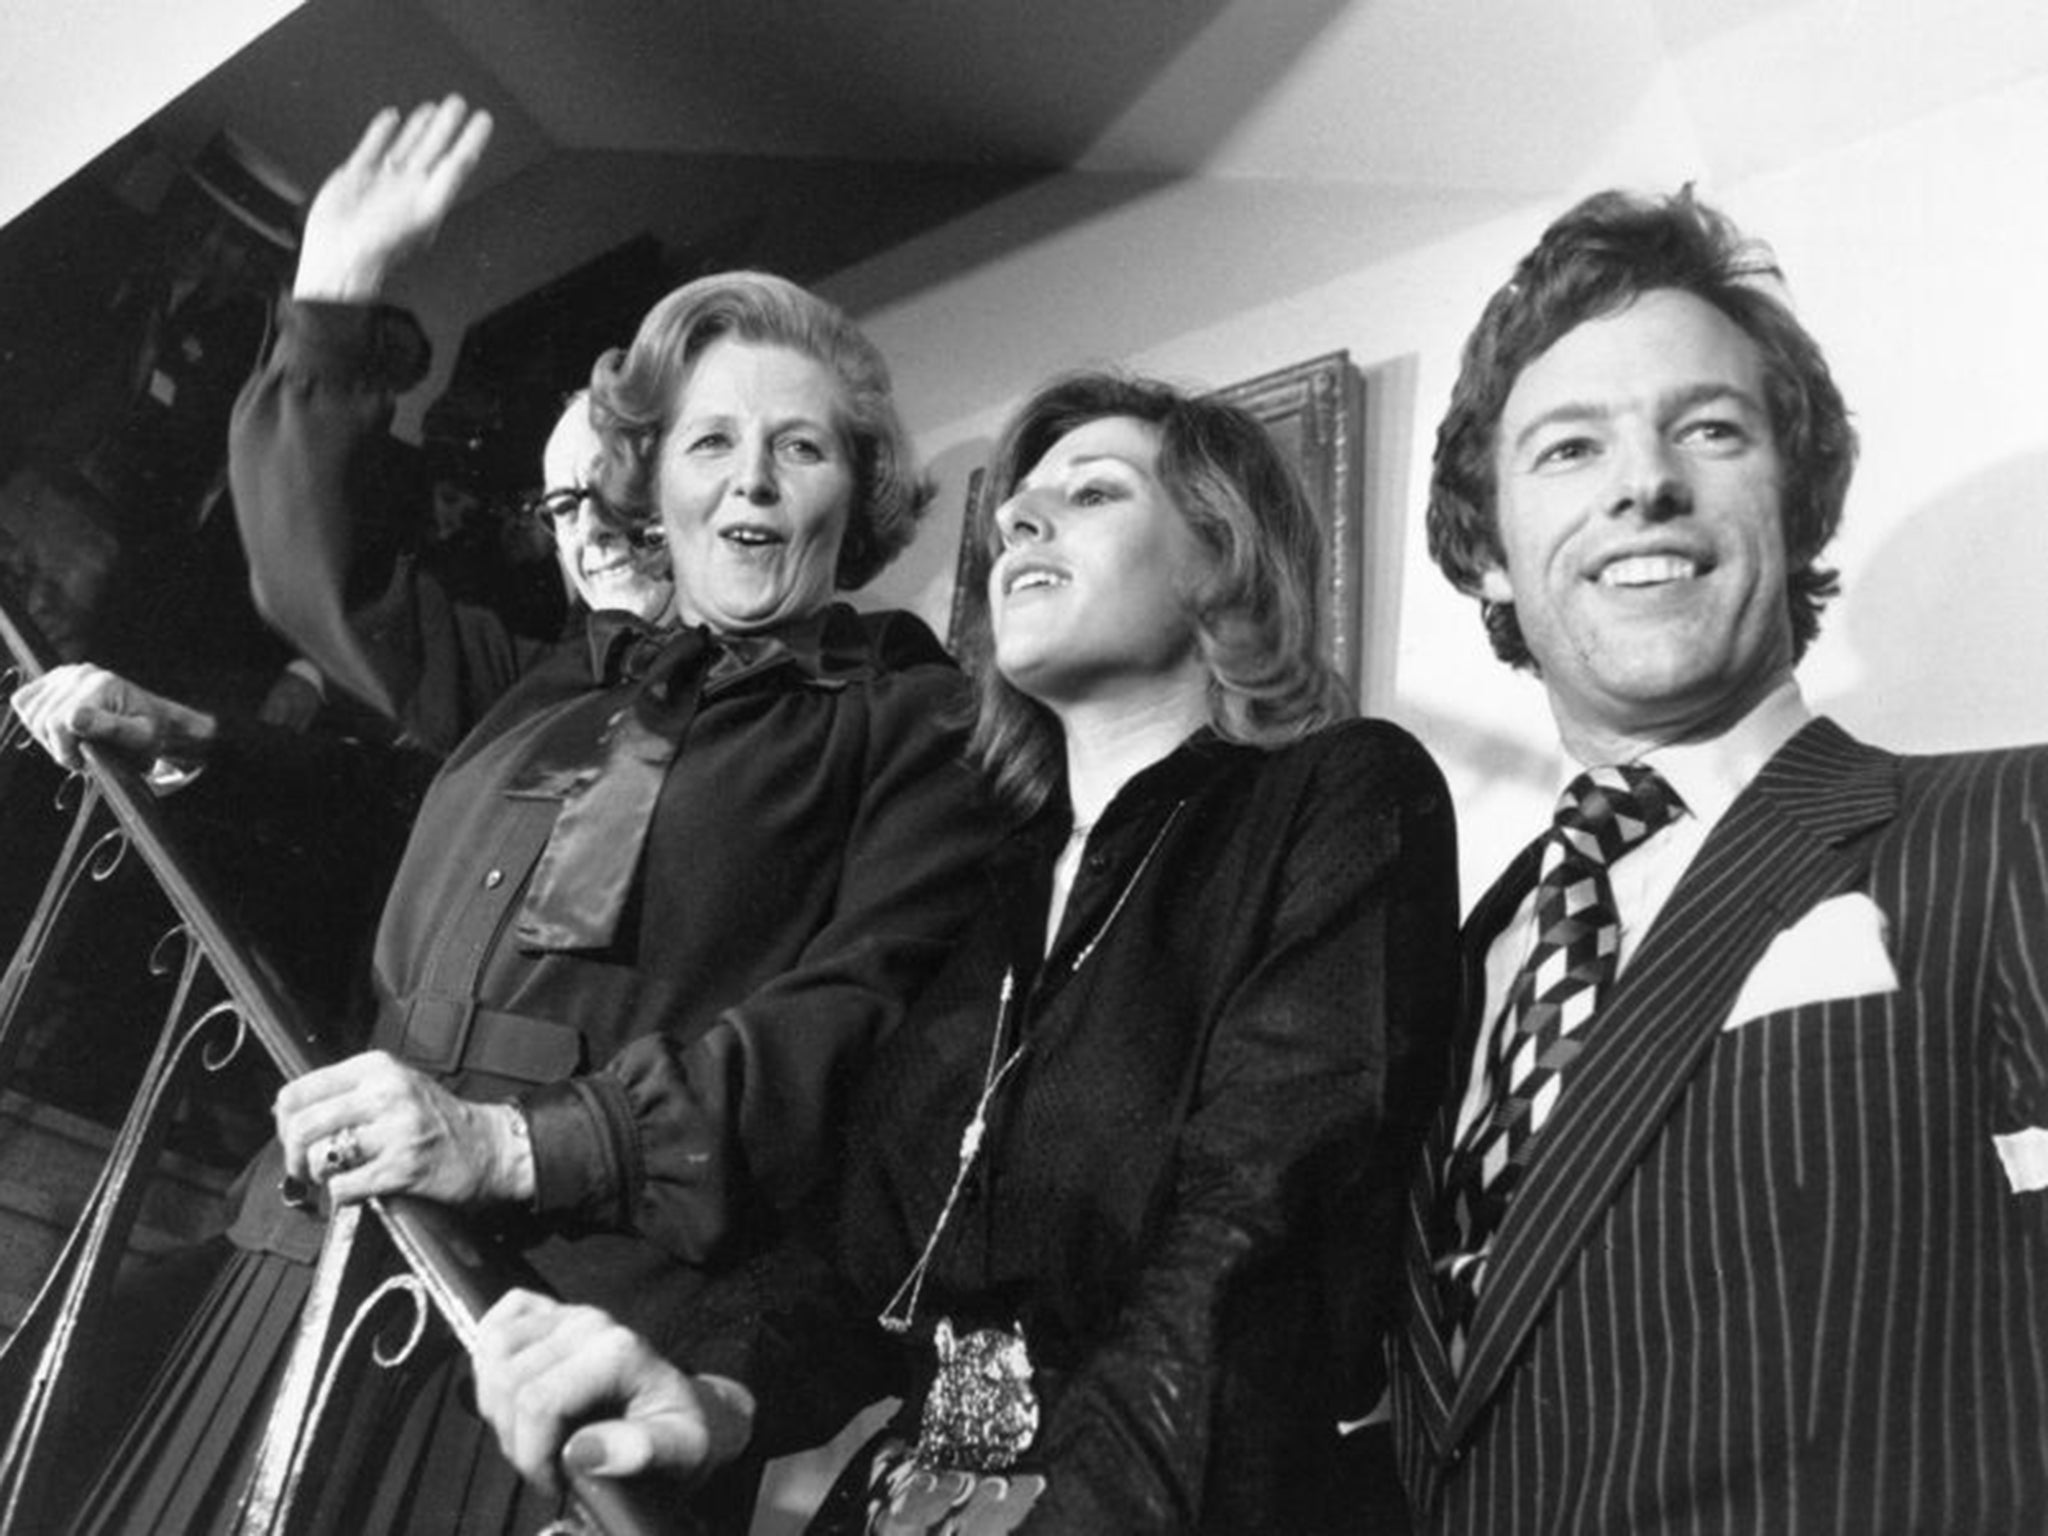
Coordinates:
x,y
1594,261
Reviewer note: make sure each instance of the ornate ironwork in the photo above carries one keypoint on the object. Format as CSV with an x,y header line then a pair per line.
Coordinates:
x,y
73,1292
52,913
448,1267
309,1384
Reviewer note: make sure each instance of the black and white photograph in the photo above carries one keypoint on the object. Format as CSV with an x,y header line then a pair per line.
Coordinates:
x,y
947,767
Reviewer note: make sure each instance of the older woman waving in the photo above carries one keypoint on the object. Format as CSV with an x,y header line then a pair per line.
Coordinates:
x,y
675,877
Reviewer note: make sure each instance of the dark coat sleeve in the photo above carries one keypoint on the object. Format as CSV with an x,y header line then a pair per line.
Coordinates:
x,y
1319,1073
674,1138
317,509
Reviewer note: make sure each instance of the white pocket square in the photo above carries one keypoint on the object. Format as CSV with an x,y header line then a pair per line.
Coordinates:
x,y
2025,1155
1836,950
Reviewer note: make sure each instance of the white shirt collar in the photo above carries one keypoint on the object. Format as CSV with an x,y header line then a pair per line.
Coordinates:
x,y
1708,775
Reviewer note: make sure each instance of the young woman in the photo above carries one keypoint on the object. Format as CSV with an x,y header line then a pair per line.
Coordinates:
x,y
1115,1220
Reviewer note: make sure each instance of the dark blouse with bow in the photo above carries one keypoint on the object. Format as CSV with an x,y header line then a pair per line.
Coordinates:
x,y
1187,1192
666,890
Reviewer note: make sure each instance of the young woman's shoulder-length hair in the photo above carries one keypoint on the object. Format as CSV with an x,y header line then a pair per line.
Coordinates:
x,y
1596,260
634,392
1258,611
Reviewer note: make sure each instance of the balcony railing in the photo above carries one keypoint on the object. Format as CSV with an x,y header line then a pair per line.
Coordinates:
x,y
225,1005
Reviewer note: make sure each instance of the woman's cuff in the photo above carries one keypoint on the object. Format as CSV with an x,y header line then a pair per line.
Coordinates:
x,y
582,1139
379,345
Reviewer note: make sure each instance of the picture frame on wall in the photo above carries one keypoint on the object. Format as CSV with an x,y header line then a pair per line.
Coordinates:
x,y
970,564
1315,411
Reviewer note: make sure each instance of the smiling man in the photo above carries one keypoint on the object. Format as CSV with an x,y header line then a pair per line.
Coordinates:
x,y
605,563
1737,1216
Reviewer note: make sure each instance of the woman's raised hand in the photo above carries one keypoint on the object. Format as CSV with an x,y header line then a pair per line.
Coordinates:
x,y
371,1125
387,200
544,1368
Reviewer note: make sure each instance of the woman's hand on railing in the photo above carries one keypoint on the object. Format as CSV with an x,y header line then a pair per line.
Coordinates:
x,y
544,1368
80,702
371,1125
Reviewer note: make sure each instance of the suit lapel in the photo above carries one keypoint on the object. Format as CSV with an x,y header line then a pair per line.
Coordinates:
x,y
1791,839
1435,1382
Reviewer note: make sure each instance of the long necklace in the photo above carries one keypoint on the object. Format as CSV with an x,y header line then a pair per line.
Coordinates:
x,y
998,1068
970,1148
980,1412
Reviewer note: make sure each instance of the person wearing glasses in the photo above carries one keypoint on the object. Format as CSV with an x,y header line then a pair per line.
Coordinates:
x,y
605,562
676,874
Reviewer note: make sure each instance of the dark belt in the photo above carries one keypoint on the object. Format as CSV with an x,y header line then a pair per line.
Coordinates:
x,y
450,1034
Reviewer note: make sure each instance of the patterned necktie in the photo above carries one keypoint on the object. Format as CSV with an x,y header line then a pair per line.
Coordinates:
x,y
1602,814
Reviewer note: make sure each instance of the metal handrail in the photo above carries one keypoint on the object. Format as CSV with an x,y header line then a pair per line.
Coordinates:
x,y
457,1268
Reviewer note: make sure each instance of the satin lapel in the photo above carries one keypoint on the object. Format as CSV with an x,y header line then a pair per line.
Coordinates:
x,y
1790,840
1435,1382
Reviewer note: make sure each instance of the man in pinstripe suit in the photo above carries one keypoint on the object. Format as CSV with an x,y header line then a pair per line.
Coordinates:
x,y
1773,1254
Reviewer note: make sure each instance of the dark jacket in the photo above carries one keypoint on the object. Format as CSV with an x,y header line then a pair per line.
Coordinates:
x,y
682,996
814,842
1186,1197
1777,1264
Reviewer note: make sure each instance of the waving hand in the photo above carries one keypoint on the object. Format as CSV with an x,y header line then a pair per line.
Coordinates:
x,y
387,200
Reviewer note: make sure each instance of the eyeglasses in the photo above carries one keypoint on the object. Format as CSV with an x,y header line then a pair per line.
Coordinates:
x,y
563,503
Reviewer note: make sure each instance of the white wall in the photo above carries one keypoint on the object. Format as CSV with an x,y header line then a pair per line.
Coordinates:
x,y
1919,258
76,75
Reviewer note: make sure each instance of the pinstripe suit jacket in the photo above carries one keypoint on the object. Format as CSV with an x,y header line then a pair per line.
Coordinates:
x,y
1775,1277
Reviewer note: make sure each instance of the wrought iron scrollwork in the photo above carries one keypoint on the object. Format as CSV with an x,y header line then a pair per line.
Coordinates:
x,y
98,864
450,1272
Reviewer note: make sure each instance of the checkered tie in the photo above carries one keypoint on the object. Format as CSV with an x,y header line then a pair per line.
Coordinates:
x,y
1602,814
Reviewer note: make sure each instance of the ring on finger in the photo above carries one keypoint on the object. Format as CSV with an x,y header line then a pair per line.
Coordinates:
x,y
342,1152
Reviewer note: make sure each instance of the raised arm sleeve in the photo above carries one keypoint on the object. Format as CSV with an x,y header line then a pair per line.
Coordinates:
x,y
307,462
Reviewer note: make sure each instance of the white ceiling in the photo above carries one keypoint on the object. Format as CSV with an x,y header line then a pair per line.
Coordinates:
x,y
860,123
1498,95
